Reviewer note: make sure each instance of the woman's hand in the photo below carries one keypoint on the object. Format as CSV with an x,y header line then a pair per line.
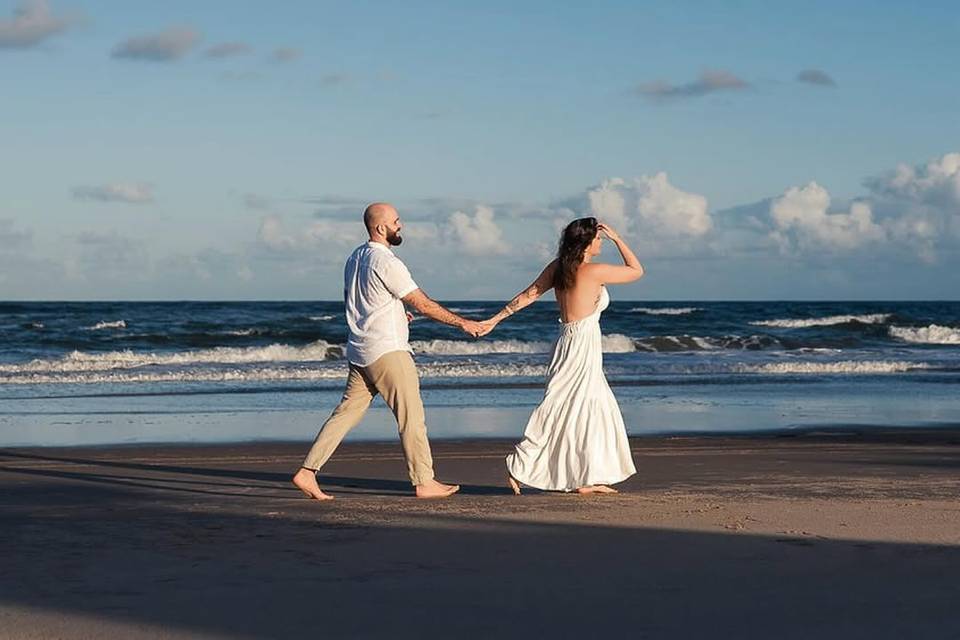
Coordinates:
x,y
608,232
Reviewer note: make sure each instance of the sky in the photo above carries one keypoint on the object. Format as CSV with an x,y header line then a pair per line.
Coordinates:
x,y
225,150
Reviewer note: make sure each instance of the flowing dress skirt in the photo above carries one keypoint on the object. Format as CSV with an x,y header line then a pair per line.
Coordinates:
x,y
576,437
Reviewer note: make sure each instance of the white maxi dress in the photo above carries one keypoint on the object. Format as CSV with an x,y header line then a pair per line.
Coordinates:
x,y
576,437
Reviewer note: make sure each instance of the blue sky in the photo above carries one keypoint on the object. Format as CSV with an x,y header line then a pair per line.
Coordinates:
x,y
224,150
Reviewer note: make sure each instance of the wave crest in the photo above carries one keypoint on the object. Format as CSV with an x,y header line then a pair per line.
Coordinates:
x,y
80,361
843,366
800,323
666,311
117,324
932,334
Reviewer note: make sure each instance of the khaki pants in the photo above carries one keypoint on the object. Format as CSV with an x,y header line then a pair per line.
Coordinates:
x,y
394,376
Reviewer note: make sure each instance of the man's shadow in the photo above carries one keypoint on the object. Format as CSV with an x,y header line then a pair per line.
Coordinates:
x,y
273,480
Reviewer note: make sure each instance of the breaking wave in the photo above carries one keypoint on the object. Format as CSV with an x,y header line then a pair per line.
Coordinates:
x,y
80,361
800,323
841,367
666,311
932,334
118,324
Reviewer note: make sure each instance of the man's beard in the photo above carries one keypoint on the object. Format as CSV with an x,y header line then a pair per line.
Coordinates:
x,y
394,239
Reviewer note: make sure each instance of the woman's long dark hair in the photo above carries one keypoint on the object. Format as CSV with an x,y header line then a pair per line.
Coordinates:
x,y
574,240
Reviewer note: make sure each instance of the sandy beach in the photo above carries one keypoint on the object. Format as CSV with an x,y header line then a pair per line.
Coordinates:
x,y
851,534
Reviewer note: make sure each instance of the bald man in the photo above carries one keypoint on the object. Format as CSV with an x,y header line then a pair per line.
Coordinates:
x,y
376,286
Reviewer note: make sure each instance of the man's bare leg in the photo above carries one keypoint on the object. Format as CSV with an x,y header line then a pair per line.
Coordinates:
x,y
306,480
514,485
434,489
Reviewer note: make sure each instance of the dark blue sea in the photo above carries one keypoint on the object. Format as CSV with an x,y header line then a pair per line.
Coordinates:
x,y
115,372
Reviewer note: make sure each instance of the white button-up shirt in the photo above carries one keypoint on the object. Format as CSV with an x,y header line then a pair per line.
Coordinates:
x,y
374,281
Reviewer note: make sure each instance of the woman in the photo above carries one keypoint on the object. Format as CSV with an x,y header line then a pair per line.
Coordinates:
x,y
575,440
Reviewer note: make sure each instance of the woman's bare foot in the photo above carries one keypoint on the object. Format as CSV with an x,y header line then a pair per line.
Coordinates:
x,y
514,485
306,481
434,489
596,488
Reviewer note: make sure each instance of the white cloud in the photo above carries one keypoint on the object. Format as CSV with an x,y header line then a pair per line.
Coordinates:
x,y
32,23
228,49
133,193
168,45
709,81
285,54
334,79
477,235
801,219
11,238
816,77
256,202
649,205
937,183
920,205
108,256
318,235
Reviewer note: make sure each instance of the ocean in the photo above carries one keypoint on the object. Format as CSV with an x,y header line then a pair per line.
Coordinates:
x,y
83,373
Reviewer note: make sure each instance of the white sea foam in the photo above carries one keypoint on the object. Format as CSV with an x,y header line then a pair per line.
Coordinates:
x,y
80,361
840,367
466,310
118,324
665,311
932,334
266,374
323,318
241,332
471,348
617,343
800,323
613,343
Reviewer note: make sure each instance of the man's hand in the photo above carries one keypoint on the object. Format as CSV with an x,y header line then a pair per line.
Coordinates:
x,y
474,328
488,325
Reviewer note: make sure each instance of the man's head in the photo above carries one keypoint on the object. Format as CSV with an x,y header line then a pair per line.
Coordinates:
x,y
383,223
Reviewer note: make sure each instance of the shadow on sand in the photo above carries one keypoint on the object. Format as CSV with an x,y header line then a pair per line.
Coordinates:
x,y
83,547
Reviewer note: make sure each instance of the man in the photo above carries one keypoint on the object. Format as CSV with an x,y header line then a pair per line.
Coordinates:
x,y
376,286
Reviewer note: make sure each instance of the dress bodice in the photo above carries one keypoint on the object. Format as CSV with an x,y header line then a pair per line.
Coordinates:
x,y
604,301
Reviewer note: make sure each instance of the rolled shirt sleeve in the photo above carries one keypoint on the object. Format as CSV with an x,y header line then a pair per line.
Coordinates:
x,y
396,278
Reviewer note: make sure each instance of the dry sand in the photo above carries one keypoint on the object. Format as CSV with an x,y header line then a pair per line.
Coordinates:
x,y
808,536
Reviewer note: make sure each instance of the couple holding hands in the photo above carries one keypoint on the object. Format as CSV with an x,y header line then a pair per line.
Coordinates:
x,y
575,440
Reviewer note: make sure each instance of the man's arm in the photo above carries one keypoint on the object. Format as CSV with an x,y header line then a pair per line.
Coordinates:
x,y
436,311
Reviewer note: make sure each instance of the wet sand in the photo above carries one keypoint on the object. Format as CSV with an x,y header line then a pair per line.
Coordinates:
x,y
839,535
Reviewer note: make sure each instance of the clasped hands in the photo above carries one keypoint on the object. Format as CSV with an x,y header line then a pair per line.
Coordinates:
x,y
480,328
474,328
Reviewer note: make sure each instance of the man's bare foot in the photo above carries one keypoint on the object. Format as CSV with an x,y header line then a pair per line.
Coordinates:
x,y
306,481
514,485
586,490
434,489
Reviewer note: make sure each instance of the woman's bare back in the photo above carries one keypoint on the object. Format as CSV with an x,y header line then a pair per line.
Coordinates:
x,y
580,300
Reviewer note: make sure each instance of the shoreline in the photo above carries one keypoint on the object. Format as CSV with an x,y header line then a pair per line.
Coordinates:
x,y
940,434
